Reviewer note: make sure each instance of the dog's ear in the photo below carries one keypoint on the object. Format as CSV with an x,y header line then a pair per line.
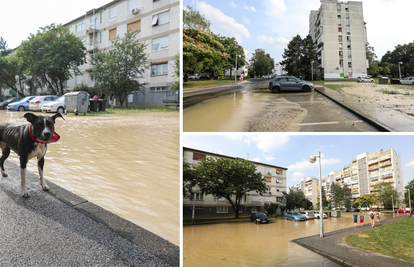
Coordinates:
x,y
57,115
30,117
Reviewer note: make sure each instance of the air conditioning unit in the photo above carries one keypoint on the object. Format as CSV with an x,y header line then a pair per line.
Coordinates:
x,y
136,10
269,173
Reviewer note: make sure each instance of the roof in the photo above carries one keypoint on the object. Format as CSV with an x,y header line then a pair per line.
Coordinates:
x,y
90,12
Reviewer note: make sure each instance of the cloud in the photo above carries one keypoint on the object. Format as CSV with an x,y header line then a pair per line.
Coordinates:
x,y
274,7
253,9
269,158
232,4
297,176
271,40
247,20
256,159
222,23
305,164
268,143
410,164
246,7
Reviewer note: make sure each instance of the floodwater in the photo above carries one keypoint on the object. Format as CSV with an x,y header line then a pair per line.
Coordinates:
x,y
248,244
227,113
127,164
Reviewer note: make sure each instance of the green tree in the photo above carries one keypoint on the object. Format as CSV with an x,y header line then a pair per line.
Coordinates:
x,y
51,54
262,63
233,49
189,179
348,203
4,50
231,179
325,202
373,69
364,201
383,193
410,186
175,86
308,55
12,73
270,208
119,70
298,56
296,199
192,19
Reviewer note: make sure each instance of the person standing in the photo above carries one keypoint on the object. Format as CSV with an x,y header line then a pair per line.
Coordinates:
x,y
372,217
355,219
112,99
186,77
361,219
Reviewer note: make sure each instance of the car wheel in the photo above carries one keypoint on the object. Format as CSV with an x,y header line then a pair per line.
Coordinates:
x,y
276,89
372,81
362,81
305,88
60,110
21,108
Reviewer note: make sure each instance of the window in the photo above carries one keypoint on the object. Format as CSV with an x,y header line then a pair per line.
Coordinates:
x,y
339,15
159,89
347,15
267,199
222,209
268,179
340,38
277,190
199,196
159,69
79,27
339,29
254,198
268,170
347,23
134,26
278,181
161,18
78,79
279,199
160,43
112,13
341,53
269,190
338,7
349,64
348,38
349,54
112,33
348,31
349,46
341,62
339,22
197,156
133,4
279,171
340,45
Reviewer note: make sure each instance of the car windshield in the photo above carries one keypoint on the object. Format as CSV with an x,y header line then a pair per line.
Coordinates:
x,y
25,99
60,99
259,215
295,213
36,98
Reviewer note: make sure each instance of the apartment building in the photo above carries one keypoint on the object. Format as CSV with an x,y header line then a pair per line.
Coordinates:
x,y
339,32
208,206
369,169
159,24
310,187
244,69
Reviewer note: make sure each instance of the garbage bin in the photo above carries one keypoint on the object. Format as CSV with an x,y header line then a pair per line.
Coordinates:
x,y
93,104
383,80
102,104
395,81
336,213
329,214
77,102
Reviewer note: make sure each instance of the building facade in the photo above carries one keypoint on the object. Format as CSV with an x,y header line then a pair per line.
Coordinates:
x,y
208,206
310,187
159,24
339,32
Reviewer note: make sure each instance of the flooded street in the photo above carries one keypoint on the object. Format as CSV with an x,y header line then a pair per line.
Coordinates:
x,y
248,244
127,164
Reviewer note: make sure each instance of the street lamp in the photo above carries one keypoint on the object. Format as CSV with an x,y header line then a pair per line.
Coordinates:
x,y
235,69
392,197
399,68
312,68
409,200
194,189
312,159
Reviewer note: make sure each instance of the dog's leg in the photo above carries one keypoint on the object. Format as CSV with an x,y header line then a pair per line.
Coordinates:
x,y
23,163
5,154
43,184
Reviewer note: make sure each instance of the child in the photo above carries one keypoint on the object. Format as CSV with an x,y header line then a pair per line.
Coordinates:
x,y
355,219
372,217
361,220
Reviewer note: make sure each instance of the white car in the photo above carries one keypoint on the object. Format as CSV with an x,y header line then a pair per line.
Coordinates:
x,y
193,77
57,106
36,103
308,214
317,216
365,79
408,80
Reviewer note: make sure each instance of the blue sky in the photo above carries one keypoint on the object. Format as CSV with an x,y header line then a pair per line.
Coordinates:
x,y
293,151
271,24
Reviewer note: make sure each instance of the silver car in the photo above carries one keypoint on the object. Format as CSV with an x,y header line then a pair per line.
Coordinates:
x,y
289,83
308,214
365,79
408,80
36,103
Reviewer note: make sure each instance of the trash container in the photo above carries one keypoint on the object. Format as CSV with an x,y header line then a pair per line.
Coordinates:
x,y
329,214
77,102
395,81
383,80
336,213
93,104
102,104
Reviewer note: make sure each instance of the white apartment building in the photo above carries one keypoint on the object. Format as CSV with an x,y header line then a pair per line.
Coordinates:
x,y
159,25
310,187
244,69
340,35
208,206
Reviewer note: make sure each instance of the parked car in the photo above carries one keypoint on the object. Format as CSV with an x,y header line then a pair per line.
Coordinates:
x,y
353,210
288,83
365,79
345,210
294,216
21,105
317,216
3,105
259,217
408,80
36,103
402,210
193,77
308,214
57,106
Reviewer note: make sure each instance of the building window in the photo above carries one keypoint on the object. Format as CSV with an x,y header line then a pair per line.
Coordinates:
x,y
112,13
348,38
160,43
159,89
268,179
349,47
79,27
199,196
197,156
346,8
278,181
267,199
254,198
78,79
279,171
338,7
134,26
161,18
222,209
339,22
341,53
279,199
340,45
340,38
133,4
112,34
341,62
347,23
349,64
347,15
159,69
349,54
339,15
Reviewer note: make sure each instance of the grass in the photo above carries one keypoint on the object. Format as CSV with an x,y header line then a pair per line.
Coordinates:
x,y
194,84
394,239
390,92
124,110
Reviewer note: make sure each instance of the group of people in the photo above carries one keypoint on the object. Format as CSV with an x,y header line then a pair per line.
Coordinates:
x,y
103,96
372,214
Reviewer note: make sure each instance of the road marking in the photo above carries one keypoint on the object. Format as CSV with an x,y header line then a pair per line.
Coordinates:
x,y
326,123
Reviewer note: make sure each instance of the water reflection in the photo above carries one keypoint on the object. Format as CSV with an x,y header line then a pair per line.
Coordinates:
x,y
128,164
247,244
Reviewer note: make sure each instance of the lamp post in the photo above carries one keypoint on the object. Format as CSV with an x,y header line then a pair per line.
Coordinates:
x,y
194,189
399,68
392,197
312,68
409,200
312,159
235,69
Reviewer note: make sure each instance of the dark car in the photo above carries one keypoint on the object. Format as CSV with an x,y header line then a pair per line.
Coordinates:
x,y
259,217
288,83
353,210
345,210
3,105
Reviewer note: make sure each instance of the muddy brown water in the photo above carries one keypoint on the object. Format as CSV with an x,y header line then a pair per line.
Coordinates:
x,y
248,244
127,164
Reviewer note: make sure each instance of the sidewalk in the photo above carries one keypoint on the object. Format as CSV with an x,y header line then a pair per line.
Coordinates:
x,y
59,228
332,247
203,88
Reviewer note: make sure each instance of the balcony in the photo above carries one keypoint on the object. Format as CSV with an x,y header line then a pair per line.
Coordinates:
x,y
91,31
92,47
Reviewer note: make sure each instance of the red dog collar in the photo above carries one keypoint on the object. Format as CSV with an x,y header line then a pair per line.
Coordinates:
x,y
55,137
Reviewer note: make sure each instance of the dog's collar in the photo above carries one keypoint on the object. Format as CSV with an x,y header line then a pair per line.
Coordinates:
x,y
55,137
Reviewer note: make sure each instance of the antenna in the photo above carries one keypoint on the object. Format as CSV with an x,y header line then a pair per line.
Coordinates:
x,y
247,155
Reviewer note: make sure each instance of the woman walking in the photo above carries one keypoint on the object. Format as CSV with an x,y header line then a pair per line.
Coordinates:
x,y
372,217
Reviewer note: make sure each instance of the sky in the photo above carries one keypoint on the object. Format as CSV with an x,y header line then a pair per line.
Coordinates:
x,y
293,151
20,18
271,24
